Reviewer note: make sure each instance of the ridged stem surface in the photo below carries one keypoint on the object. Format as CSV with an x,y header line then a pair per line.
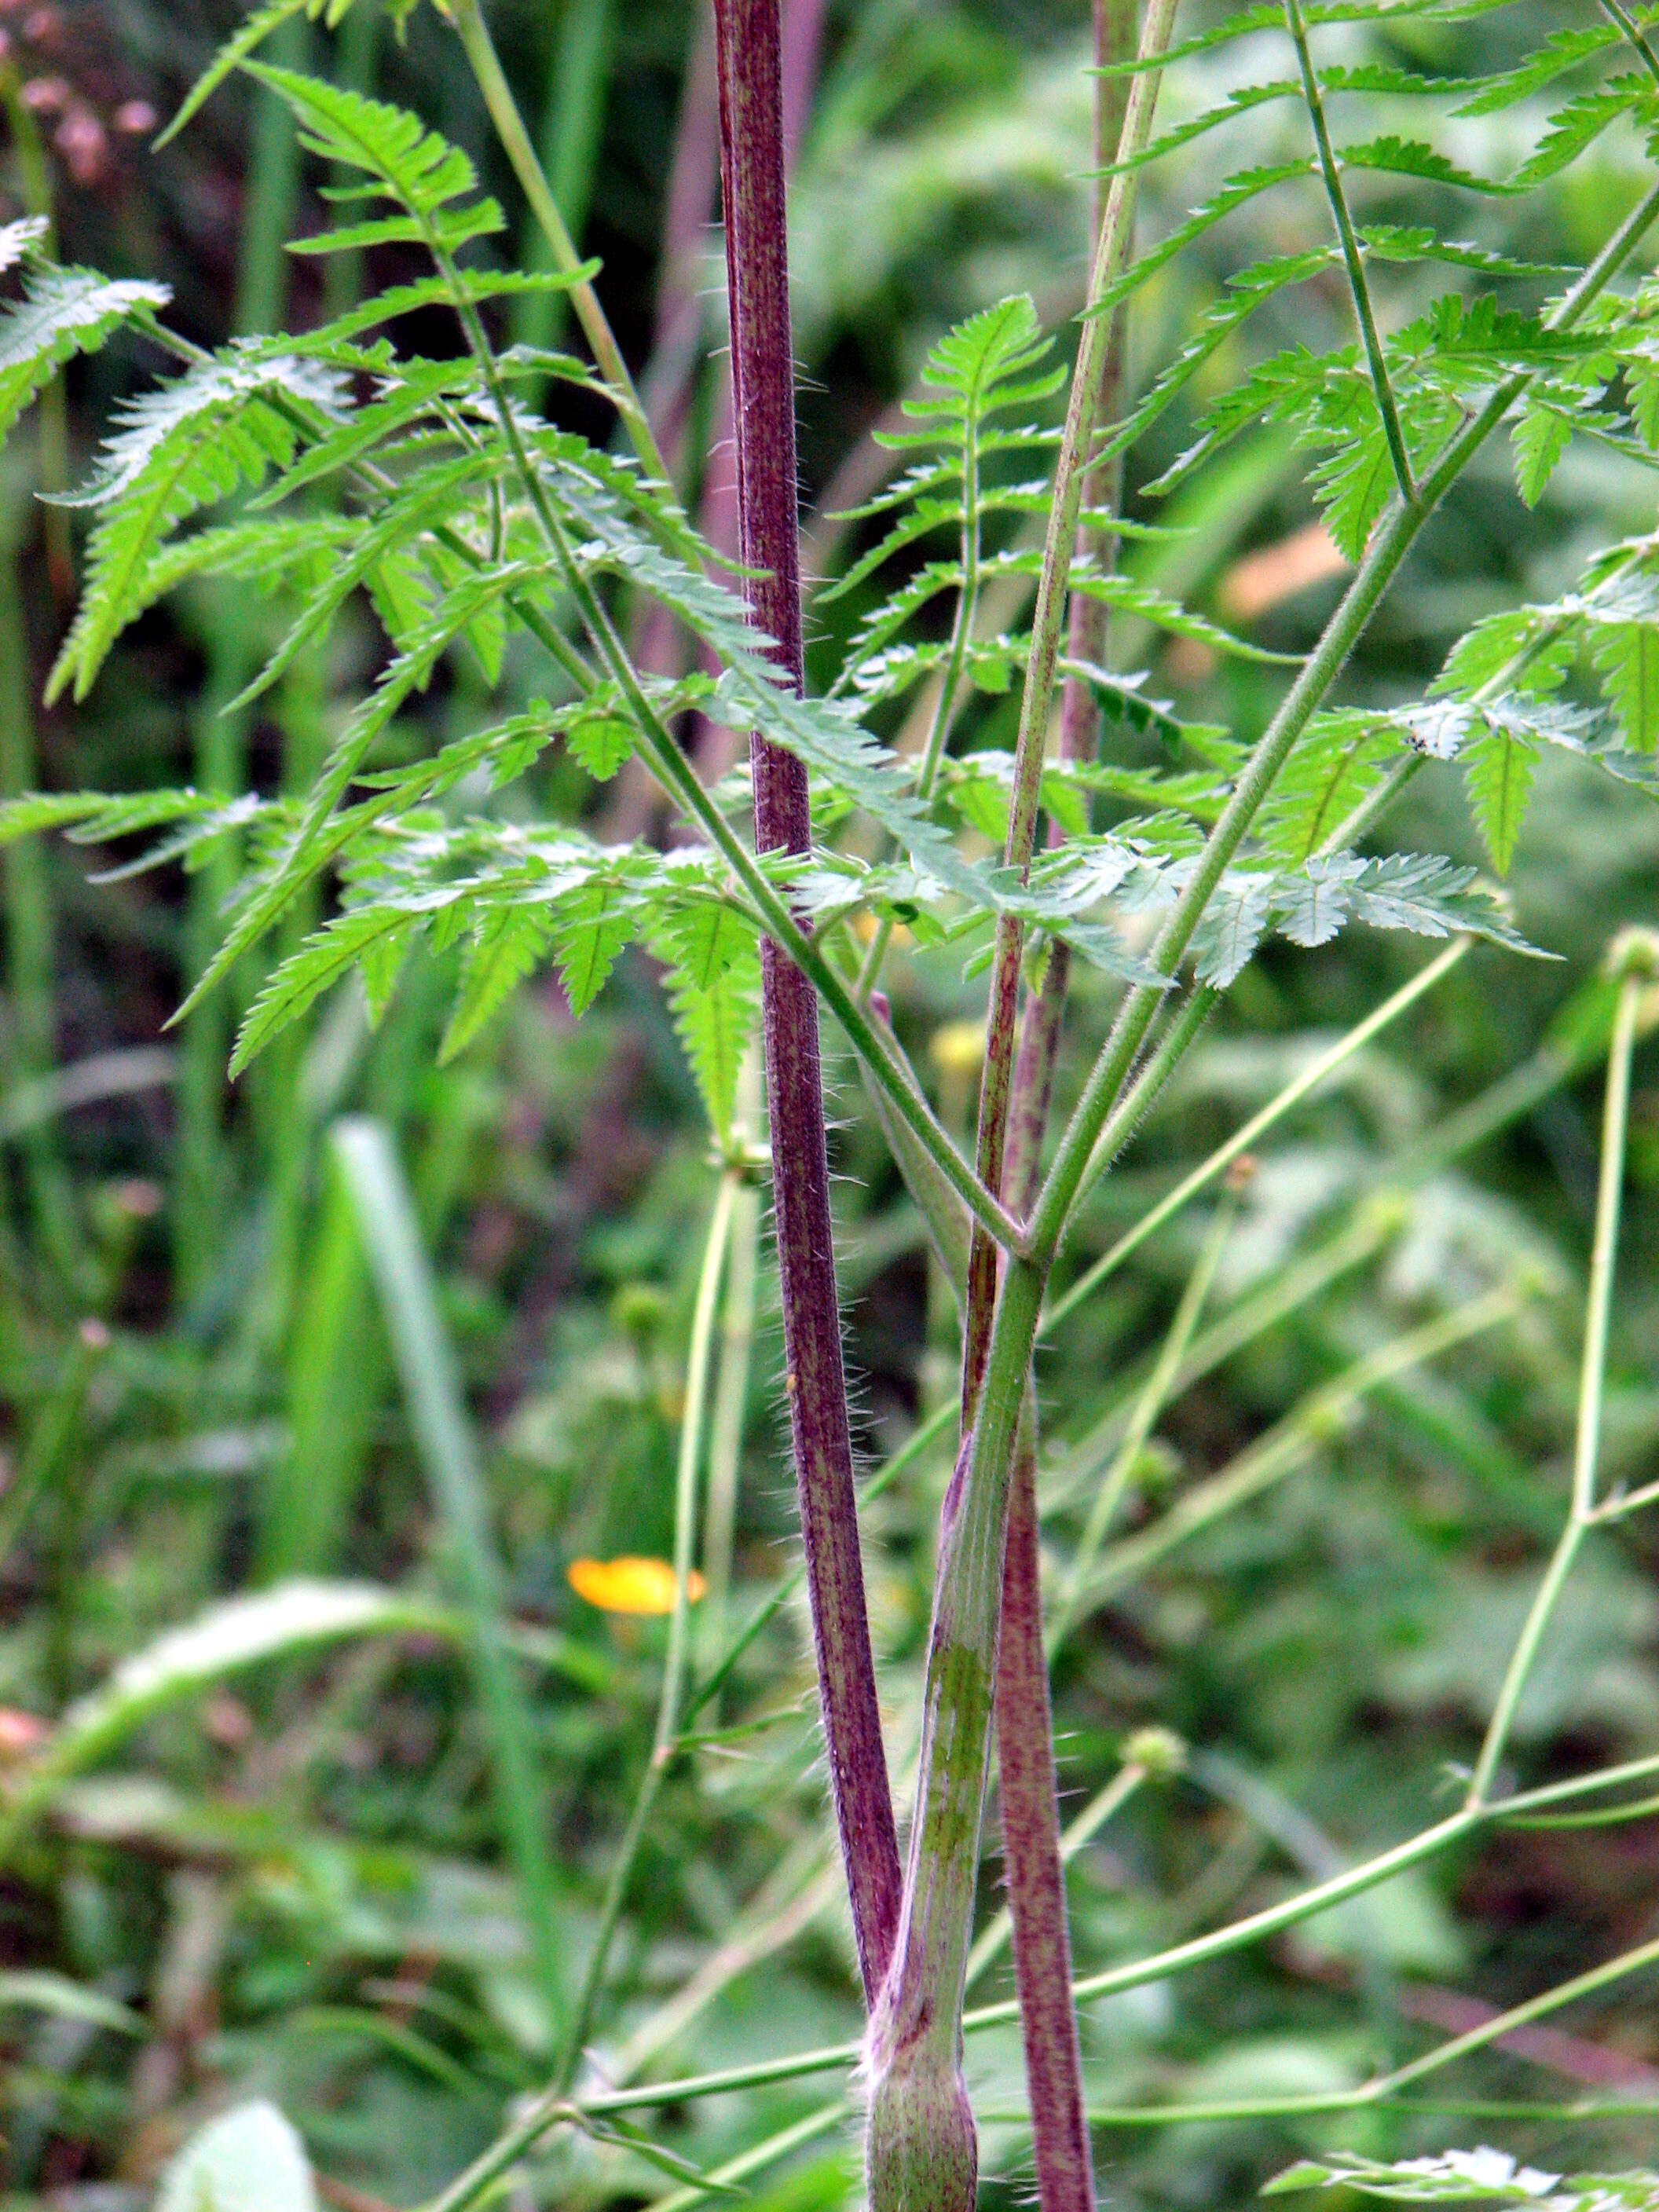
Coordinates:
x,y
752,168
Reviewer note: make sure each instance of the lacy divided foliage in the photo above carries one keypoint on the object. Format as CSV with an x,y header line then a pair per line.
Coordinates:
x,y
433,488
334,466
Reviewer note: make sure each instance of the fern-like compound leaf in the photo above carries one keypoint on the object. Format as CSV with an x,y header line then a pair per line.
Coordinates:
x,y
64,312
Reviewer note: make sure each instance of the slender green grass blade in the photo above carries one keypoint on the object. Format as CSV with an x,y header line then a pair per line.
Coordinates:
x,y
444,1438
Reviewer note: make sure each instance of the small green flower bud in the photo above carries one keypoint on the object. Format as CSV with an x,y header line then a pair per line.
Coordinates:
x,y
1159,1750
1634,951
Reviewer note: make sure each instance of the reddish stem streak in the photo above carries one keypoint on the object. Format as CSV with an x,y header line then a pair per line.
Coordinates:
x,y
752,166
1025,1758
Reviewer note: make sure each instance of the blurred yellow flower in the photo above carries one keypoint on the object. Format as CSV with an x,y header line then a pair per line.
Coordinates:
x,y
630,1584
958,1048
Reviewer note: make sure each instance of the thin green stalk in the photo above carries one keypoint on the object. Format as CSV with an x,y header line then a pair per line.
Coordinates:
x,y
731,1402
1363,312
1362,819
1289,1444
756,2160
869,1040
32,1042
1287,1292
448,1451
1100,1807
548,2112
950,688
1322,1065
1617,1507
485,64
1634,36
573,121
1391,541
1153,1397
1176,1040
699,1358
1592,1379
926,1433
1505,2023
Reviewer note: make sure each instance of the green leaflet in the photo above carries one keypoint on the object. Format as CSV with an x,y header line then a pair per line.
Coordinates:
x,y
591,929
1626,657
1560,52
248,38
713,991
1497,774
1341,759
1240,102
187,446
1389,155
1237,192
1247,290
984,367
1580,123
416,168
1462,2176
348,941
1540,439
507,946
1422,893
64,312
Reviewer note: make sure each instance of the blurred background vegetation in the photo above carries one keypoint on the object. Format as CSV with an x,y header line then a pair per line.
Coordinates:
x,y
292,1882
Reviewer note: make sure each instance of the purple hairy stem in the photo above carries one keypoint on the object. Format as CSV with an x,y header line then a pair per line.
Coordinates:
x,y
752,180
1027,1791
800,37
677,354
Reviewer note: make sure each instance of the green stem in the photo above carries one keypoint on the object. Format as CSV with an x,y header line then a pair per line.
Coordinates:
x,y
1150,1405
485,64
699,1358
944,705
448,1449
548,2112
1036,697
572,122
1289,1444
1322,1065
1592,1380
1363,312
1100,1807
1634,36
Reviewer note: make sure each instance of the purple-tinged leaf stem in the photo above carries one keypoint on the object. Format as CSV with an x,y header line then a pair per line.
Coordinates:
x,y
752,170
